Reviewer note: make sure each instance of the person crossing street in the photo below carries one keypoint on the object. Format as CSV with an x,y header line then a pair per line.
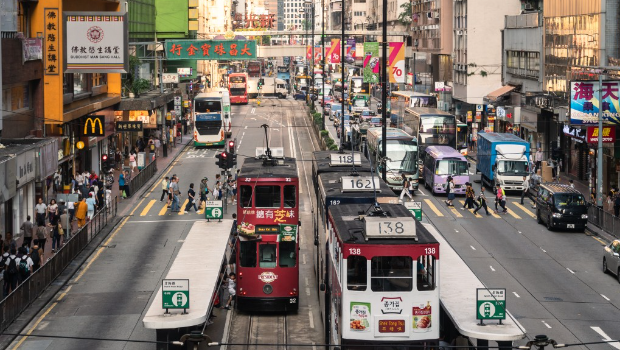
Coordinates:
x,y
526,188
482,202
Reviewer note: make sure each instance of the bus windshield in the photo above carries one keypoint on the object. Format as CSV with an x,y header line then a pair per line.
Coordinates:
x,y
206,106
402,156
360,102
451,167
511,167
461,136
357,83
438,130
238,79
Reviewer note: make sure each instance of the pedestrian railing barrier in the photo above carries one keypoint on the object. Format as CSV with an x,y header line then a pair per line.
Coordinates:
x,y
604,220
136,182
31,288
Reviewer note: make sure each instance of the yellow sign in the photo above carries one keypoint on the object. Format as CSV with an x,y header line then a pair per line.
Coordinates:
x,y
79,145
186,104
93,126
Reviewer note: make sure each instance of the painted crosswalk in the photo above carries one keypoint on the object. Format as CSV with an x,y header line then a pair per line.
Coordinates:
x,y
154,207
515,210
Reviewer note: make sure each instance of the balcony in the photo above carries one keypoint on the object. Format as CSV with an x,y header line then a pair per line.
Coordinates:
x,y
524,73
528,20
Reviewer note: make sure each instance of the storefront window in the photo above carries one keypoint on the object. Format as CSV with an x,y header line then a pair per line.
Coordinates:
x,y
80,83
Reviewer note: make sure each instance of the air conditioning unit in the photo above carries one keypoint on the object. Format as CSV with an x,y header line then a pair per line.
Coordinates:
x,y
459,32
436,14
528,7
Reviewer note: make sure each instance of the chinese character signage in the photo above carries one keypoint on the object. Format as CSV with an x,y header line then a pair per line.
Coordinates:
x,y
211,49
609,134
93,126
254,21
584,104
95,42
490,303
170,78
129,126
371,62
32,49
396,62
50,38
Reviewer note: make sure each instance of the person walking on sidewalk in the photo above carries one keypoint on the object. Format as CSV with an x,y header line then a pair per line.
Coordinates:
x,y
55,233
41,237
36,258
66,226
405,191
27,228
538,158
526,188
617,205
482,202
91,204
41,212
164,188
80,212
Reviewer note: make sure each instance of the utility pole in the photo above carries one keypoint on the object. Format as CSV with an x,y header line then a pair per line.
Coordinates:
x,y
312,68
323,58
342,48
384,57
599,150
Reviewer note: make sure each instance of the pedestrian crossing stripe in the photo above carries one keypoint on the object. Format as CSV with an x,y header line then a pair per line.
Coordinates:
x,y
518,205
148,207
182,209
431,205
163,210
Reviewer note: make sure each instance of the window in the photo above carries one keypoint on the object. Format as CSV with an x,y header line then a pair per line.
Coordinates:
x,y
357,271
391,274
16,97
289,196
247,253
205,106
99,79
287,254
267,255
267,196
246,196
426,272
80,83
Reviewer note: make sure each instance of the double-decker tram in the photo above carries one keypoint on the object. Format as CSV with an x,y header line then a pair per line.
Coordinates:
x,y
269,230
381,279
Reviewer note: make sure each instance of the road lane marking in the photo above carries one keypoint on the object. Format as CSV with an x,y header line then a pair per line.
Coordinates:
x,y
182,208
253,110
604,297
606,337
148,207
308,291
492,269
494,214
516,295
571,271
546,324
455,212
527,211
433,207
472,247
311,319
163,210
513,213
421,192
544,251
599,240
471,211
303,258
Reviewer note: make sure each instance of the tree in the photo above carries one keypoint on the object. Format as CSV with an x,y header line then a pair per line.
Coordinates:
x,y
405,17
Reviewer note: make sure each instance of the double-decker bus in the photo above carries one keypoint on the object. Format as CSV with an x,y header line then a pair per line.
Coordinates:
x,y
461,138
381,282
431,126
238,88
441,162
210,120
269,230
401,100
401,153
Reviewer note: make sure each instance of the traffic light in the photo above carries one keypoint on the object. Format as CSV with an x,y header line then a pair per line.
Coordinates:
x,y
230,160
231,146
232,155
261,81
222,160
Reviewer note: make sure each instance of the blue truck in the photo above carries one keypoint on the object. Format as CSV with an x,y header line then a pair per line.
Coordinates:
x,y
503,159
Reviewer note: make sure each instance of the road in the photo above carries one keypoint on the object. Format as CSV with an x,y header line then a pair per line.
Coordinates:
x,y
108,296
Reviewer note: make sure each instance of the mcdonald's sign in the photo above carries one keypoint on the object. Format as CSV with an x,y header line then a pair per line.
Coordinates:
x,y
93,126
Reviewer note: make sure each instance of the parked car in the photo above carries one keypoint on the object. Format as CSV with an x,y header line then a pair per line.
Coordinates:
x,y
611,258
561,206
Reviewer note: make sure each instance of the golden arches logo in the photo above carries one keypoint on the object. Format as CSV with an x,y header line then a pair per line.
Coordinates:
x,y
93,122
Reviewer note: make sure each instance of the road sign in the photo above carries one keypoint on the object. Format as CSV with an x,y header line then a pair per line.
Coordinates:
x,y
214,210
177,109
415,208
175,294
491,303
177,100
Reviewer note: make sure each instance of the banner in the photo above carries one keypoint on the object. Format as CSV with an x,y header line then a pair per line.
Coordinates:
x,y
609,134
317,53
333,54
350,51
211,49
371,62
584,105
396,62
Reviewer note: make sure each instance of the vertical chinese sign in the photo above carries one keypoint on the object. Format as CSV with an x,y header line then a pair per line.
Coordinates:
x,y
211,49
371,62
396,62
50,37
95,42
584,104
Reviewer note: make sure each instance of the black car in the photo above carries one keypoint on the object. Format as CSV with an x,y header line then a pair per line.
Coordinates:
x,y
561,206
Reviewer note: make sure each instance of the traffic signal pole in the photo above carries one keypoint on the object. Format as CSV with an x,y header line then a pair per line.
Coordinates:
x,y
384,79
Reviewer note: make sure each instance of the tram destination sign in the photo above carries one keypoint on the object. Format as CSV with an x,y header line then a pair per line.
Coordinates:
x,y
360,183
343,159
491,304
175,294
380,227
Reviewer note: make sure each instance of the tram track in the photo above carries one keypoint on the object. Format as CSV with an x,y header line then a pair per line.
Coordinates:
x,y
258,332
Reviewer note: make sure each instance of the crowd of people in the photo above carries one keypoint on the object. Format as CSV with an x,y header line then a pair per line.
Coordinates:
x,y
171,191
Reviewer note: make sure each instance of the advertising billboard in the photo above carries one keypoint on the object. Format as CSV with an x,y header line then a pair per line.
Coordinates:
x,y
371,62
585,104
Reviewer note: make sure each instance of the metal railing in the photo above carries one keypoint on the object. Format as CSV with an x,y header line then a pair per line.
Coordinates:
x,y
604,220
31,288
136,182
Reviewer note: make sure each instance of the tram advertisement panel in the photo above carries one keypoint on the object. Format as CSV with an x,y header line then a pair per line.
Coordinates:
x,y
360,315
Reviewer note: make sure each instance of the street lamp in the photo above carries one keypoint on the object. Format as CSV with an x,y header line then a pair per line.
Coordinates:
x,y
323,58
311,71
305,22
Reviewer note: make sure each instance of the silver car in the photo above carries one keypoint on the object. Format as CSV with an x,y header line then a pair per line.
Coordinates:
x,y
611,258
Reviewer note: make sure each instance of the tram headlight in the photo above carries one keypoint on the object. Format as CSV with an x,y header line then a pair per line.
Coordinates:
x,y
267,289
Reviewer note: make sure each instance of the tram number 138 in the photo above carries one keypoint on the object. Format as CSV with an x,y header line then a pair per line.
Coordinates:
x,y
388,227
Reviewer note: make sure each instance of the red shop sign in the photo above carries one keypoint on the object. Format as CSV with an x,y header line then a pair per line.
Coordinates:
x,y
609,134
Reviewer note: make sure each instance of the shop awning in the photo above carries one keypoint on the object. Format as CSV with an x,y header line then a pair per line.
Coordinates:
x,y
493,96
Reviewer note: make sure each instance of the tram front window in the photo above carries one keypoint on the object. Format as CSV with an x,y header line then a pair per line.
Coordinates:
x,y
267,255
267,196
289,196
357,270
391,274
287,254
245,195
247,254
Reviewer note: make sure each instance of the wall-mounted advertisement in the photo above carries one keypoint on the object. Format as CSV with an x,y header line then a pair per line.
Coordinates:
x,y
585,104
371,62
396,62
95,42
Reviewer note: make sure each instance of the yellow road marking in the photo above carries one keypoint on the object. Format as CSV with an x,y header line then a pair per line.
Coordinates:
x,y
148,207
527,211
455,212
433,207
495,215
163,210
513,213
472,210
182,209
600,240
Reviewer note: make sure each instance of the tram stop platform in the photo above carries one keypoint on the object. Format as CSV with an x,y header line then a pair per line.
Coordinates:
x,y
199,262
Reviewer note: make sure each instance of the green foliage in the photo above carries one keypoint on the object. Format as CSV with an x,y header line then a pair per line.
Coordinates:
x,y
333,147
324,133
405,17
140,85
131,82
329,142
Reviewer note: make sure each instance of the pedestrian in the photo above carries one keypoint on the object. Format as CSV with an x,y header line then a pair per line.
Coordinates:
x,y
9,241
58,181
405,190
108,198
157,146
100,196
232,289
469,197
164,188
132,162
174,187
25,265
41,212
71,210
571,183
191,199
232,243
204,191
617,206
539,158
91,203
36,258
450,191
41,237
526,188
66,226
500,199
26,228
217,192
80,212
482,202
11,272
55,232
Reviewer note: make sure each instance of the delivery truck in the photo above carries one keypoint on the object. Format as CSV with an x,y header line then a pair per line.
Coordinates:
x,y
503,159
270,86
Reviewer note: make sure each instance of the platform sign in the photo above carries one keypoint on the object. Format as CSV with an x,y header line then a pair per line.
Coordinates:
x,y
491,303
415,208
214,210
175,294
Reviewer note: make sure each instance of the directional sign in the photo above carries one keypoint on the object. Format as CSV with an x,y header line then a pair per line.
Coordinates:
x,y
177,109
491,303
415,208
214,210
175,294
177,100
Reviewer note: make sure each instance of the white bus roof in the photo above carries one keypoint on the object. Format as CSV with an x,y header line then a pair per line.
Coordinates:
x,y
457,294
410,94
213,94
199,260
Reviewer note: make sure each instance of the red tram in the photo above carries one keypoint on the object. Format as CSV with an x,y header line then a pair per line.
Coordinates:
x,y
269,231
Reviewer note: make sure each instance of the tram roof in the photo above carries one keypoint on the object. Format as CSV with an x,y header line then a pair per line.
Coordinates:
x,y
351,230
331,186
202,270
457,294
321,163
255,168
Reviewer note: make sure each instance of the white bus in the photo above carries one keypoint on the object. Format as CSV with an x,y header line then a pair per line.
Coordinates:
x,y
226,110
210,120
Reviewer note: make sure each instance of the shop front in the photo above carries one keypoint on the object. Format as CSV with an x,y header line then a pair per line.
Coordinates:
x,y
576,151
532,128
90,149
504,118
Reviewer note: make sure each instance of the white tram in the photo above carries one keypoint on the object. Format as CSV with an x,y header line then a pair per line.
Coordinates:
x,y
381,278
